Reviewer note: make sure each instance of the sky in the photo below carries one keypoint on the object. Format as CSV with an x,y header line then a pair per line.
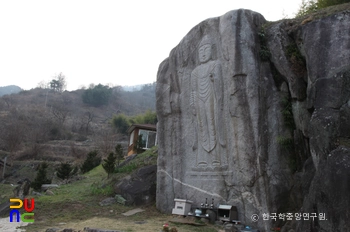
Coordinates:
x,y
107,42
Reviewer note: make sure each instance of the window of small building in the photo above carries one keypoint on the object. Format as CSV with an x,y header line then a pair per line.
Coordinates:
x,y
148,138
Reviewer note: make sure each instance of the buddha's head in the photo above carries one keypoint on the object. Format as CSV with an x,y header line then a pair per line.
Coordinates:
x,y
205,48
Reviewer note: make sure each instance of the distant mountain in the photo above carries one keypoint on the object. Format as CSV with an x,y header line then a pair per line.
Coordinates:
x,y
132,88
9,89
137,101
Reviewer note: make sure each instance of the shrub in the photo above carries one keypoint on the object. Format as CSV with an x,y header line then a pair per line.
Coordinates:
x,y
149,117
66,170
306,7
309,6
326,3
40,178
287,143
127,168
121,122
287,113
109,163
91,161
98,189
264,52
119,153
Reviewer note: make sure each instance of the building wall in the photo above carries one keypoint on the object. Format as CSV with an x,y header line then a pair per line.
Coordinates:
x,y
135,137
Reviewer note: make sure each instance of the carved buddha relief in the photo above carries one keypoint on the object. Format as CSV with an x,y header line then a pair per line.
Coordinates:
x,y
207,109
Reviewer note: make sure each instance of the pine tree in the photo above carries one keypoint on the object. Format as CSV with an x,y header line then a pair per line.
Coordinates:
x,y
65,171
109,163
40,178
119,153
92,161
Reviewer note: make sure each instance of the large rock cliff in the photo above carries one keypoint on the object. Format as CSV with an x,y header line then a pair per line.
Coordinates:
x,y
257,115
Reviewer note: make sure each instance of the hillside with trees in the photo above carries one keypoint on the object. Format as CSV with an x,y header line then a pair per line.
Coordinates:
x,y
48,123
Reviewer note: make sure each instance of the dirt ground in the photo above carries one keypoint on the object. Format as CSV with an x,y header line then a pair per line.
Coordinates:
x,y
115,224
7,226
127,224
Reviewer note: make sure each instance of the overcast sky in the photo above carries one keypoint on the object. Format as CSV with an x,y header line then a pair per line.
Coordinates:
x,y
104,41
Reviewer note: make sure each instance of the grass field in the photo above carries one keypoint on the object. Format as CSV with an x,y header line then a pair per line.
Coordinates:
x,y
76,206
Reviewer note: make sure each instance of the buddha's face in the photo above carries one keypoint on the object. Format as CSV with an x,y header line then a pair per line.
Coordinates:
x,y
204,53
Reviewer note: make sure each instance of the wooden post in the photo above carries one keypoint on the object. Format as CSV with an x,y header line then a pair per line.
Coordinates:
x,y
3,171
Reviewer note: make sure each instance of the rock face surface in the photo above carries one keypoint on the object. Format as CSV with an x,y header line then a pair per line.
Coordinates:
x,y
257,116
139,188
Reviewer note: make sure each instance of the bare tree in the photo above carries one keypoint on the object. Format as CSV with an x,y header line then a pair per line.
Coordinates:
x,y
62,79
43,85
60,112
106,140
8,100
36,121
13,128
86,119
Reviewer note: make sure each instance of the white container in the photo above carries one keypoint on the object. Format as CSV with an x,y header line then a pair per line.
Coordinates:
x,y
182,207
